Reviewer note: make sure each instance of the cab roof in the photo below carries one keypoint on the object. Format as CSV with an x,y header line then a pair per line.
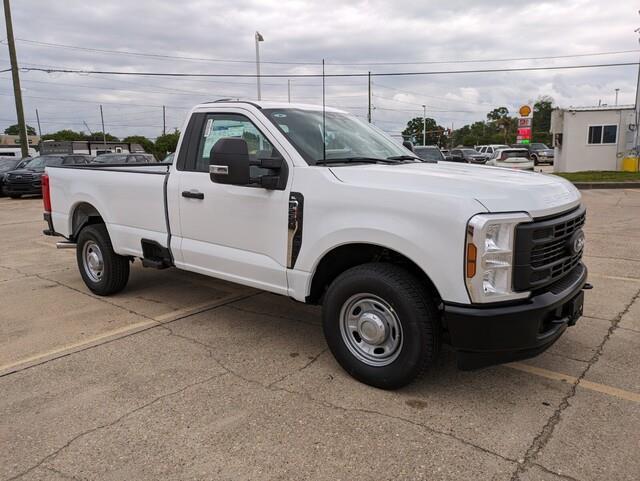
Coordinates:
x,y
265,104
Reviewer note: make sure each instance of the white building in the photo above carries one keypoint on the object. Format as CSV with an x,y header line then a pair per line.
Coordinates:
x,y
592,138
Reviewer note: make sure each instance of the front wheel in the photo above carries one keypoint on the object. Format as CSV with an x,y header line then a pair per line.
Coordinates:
x,y
381,324
102,270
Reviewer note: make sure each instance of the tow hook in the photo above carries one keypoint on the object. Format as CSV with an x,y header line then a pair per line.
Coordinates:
x,y
587,286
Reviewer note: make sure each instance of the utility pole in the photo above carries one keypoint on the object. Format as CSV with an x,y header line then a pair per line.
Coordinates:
x,y
104,134
424,125
164,120
17,93
38,119
259,38
617,90
289,90
369,109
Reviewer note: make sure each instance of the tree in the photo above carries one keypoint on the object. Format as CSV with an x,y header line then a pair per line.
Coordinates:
x,y
65,135
146,144
15,130
166,144
498,114
99,136
542,119
415,129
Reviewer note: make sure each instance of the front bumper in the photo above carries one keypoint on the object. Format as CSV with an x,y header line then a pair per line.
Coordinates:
x,y
483,336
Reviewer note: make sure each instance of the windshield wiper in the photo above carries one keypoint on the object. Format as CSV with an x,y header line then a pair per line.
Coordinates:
x,y
404,157
364,160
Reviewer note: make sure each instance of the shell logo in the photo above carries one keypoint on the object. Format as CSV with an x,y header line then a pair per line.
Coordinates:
x,y
524,111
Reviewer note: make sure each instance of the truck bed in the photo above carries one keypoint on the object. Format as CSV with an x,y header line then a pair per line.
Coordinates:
x,y
130,199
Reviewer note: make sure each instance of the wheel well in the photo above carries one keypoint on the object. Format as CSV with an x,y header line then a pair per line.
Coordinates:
x,y
344,257
84,214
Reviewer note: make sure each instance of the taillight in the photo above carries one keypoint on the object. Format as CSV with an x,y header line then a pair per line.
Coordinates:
x,y
46,196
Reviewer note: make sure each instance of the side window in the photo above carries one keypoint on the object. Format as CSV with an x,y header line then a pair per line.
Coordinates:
x,y
221,126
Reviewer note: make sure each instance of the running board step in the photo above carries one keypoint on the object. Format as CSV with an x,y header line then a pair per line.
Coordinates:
x,y
155,263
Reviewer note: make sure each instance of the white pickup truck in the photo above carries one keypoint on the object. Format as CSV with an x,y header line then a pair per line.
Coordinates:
x,y
322,207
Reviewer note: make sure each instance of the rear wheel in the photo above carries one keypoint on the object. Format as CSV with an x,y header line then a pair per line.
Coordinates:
x,y
381,324
102,270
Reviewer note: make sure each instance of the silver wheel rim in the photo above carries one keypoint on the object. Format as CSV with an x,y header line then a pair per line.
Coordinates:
x,y
371,329
93,261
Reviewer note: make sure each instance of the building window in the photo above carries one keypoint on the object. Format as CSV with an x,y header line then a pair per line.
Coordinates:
x,y
602,134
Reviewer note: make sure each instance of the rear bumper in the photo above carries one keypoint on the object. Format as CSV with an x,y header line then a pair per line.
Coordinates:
x,y
483,336
49,230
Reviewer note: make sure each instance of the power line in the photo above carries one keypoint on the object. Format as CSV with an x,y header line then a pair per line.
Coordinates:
x,y
284,62
332,75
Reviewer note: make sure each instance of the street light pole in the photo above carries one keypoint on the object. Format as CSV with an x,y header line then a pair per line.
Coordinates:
x,y
424,125
259,38
17,92
617,90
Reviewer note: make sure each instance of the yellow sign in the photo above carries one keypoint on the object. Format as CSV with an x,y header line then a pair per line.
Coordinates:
x,y
524,111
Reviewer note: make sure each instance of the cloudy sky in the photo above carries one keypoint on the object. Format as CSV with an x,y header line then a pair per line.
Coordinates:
x,y
197,36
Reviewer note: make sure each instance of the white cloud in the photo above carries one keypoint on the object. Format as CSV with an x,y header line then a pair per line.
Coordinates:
x,y
307,31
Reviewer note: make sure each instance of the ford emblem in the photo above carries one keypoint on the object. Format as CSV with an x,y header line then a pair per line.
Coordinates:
x,y
576,242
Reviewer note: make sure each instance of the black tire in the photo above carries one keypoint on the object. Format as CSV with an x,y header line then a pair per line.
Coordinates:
x,y
15,196
115,268
416,313
535,160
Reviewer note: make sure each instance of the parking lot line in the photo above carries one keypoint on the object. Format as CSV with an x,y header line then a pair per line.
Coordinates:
x,y
117,333
592,386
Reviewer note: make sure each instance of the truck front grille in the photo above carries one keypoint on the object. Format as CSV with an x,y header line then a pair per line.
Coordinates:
x,y
544,250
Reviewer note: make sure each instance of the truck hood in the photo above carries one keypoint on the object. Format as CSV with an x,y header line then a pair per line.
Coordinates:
x,y
497,189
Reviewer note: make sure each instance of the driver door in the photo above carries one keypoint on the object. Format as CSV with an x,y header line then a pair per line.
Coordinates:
x,y
234,232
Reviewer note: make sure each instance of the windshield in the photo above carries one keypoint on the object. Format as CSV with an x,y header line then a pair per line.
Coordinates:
x,y
346,136
39,163
539,147
428,153
7,165
112,158
510,154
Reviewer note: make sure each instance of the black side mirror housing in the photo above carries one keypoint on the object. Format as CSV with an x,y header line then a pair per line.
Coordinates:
x,y
229,162
408,144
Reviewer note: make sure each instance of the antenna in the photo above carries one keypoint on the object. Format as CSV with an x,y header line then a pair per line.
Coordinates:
x,y
324,132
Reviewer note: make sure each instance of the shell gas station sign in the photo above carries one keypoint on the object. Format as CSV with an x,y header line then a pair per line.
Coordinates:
x,y
525,124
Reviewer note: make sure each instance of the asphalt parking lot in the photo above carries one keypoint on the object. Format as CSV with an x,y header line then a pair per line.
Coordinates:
x,y
186,377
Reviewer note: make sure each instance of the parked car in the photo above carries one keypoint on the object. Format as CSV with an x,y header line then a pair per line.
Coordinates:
x,y
428,153
16,152
512,158
400,253
7,164
469,156
447,154
27,179
540,153
140,158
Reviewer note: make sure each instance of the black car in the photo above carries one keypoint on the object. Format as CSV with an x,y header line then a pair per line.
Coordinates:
x,y
470,156
428,153
140,158
8,164
539,152
26,180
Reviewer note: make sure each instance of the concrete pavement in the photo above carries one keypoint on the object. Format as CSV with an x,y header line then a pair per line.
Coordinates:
x,y
186,377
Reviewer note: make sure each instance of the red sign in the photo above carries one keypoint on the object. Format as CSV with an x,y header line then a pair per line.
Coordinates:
x,y
524,133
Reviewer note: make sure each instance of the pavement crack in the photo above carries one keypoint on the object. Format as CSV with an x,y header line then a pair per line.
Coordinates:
x,y
549,471
311,361
545,434
121,418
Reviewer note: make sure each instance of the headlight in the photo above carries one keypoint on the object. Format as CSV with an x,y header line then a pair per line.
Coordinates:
x,y
489,257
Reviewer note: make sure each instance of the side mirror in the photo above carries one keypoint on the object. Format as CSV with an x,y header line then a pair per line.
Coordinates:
x,y
229,162
408,144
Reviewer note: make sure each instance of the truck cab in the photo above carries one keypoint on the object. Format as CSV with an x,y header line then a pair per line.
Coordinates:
x,y
315,204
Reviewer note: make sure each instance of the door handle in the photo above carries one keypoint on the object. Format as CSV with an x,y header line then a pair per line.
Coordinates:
x,y
192,194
